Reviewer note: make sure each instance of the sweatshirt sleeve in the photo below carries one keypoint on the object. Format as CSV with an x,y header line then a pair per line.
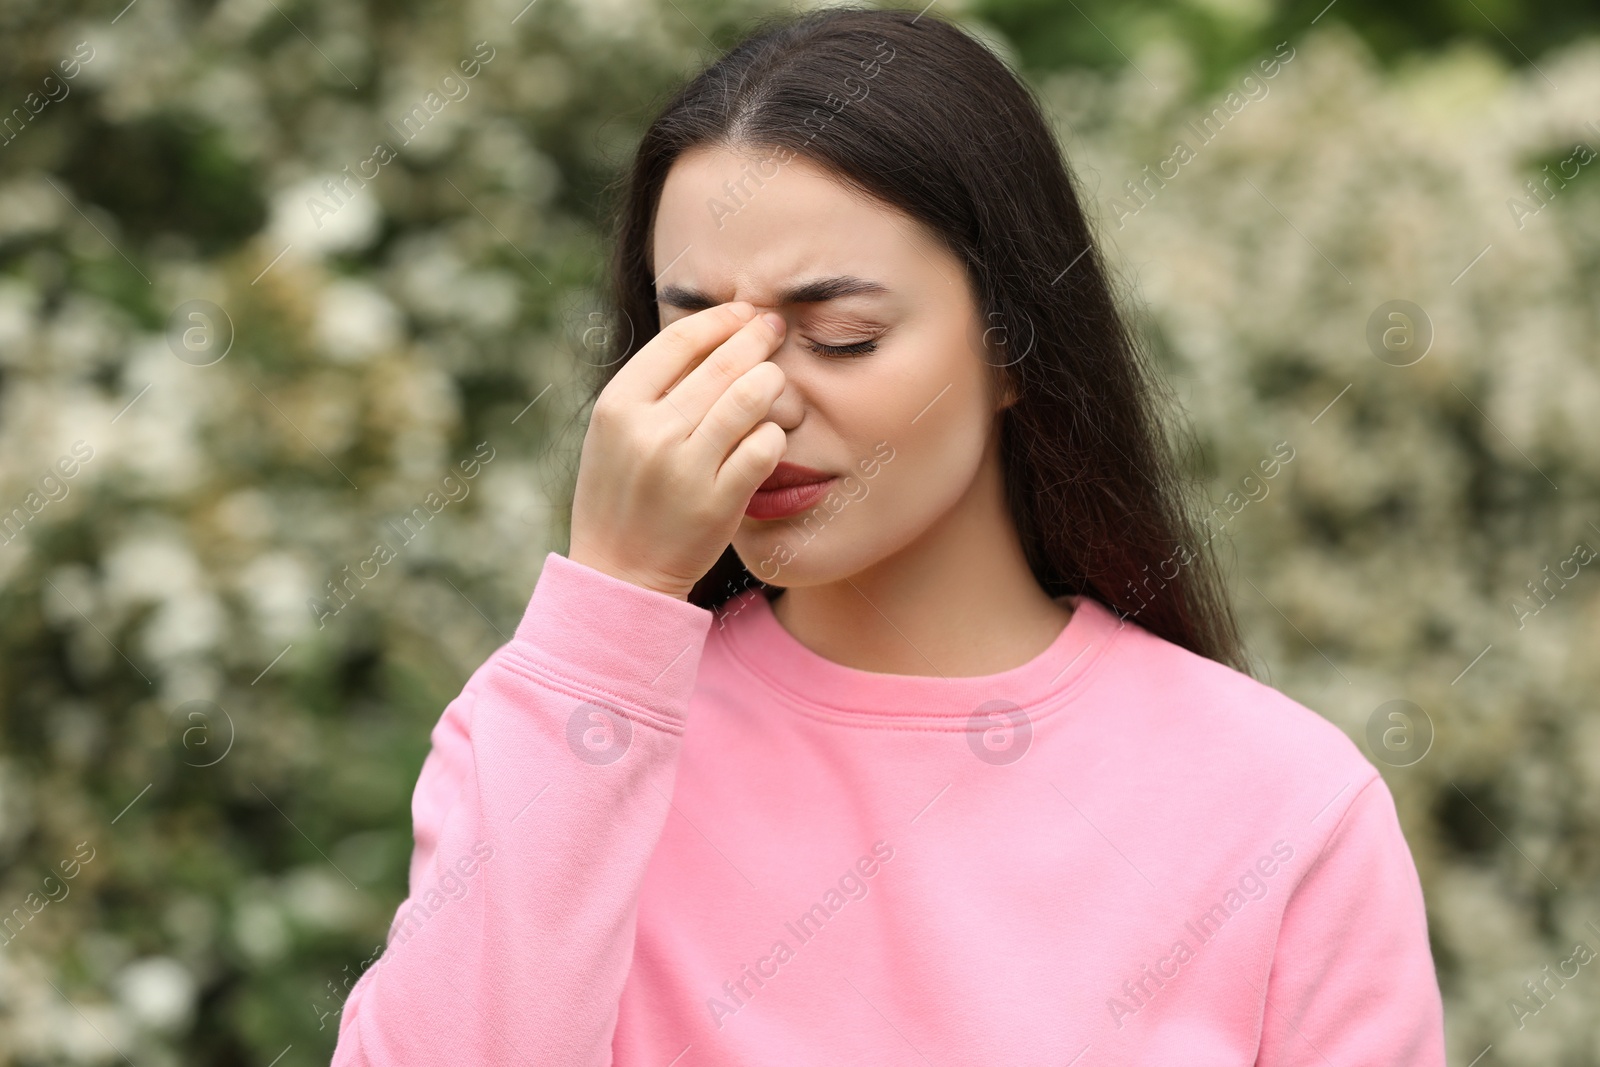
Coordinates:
x,y
1352,980
534,816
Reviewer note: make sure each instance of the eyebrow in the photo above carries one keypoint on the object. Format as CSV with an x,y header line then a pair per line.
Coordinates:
x,y
815,291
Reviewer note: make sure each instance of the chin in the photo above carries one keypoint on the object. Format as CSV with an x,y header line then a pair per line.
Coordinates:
x,y
780,555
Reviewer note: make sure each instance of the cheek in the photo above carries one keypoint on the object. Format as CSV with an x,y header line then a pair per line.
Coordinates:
x,y
925,408
934,406
938,444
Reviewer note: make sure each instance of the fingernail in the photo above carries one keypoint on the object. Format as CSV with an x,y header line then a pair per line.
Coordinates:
x,y
774,320
744,309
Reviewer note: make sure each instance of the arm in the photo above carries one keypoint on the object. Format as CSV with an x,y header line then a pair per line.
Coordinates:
x,y
535,815
1353,981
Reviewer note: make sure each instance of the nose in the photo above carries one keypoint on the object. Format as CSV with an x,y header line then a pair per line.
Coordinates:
x,y
789,408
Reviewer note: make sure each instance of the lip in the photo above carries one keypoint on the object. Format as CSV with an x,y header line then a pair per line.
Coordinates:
x,y
790,489
788,474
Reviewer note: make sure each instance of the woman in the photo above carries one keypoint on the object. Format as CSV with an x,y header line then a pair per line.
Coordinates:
x,y
886,708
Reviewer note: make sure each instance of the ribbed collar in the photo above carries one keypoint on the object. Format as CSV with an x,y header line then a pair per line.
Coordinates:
x,y
817,686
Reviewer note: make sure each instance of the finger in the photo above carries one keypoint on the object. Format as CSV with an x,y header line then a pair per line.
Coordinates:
x,y
672,353
745,402
702,387
751,463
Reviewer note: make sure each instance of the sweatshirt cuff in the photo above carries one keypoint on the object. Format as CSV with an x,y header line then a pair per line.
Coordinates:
x,y
613,639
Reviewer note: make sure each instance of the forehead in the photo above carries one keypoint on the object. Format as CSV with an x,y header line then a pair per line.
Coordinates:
x,y
740,225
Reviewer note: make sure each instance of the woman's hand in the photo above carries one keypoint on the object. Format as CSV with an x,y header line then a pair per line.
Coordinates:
x,y
675,448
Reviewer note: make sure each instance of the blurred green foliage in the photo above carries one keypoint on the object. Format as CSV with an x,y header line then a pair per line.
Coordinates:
x,y
1226,34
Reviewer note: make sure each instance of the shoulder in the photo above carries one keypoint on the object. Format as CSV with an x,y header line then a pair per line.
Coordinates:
x,y
1200,722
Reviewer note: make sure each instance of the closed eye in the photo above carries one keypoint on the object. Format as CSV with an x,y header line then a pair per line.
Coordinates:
x,y
860,348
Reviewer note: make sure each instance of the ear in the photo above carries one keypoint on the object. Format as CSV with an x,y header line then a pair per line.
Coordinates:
x,y
1008,393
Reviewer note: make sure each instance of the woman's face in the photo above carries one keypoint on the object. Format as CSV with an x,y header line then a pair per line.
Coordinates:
x,y
905,419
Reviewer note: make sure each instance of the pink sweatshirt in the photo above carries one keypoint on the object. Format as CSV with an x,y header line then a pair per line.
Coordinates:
x,y
652,835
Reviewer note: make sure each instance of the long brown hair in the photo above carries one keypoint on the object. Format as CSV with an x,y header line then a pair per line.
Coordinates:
x,y
914,111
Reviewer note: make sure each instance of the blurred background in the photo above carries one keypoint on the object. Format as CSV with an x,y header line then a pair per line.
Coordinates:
x,y
271,270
